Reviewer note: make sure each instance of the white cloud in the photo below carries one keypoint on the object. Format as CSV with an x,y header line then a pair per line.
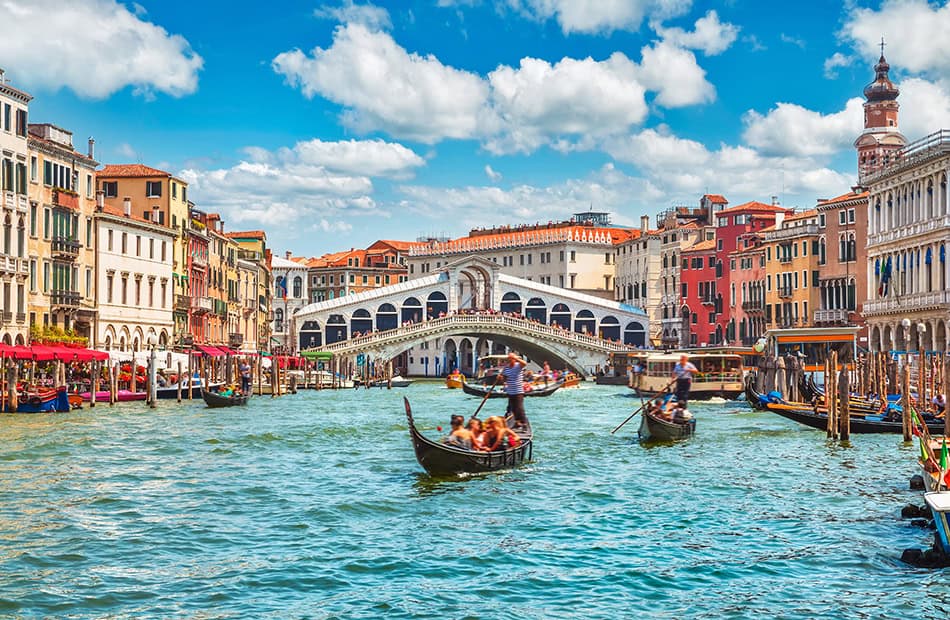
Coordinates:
x,y
125,150
539,102
492,174
376,158
674,74
925,107
835,62
600,16
94,48
790,129
369,15
709,35
916,33
381,85
796,41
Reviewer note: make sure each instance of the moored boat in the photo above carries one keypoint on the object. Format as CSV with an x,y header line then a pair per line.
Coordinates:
x,y
171,391
216,400
719,375
439,459
53,400
570,380
121,396
859,424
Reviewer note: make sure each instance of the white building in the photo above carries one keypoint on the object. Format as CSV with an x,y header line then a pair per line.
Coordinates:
x,y
134,289
638,281
291,292
14,266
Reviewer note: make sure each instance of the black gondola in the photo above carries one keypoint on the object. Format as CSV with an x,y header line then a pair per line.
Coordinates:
x,y
858,424
442,460
653,428
751,395
499,392
215,400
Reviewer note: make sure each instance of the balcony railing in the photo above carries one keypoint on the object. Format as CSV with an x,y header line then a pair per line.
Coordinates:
x,y
926,148
908,303
64,299
66,199
784,259
753,306
64,247
785,291
792,231
838,316
707,300
21,317
182,302
236,340
7,316
9,265
201,305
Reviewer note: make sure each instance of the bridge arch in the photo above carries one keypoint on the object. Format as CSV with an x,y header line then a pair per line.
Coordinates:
x,y
585,323
411,310
361,321
511,303
610,328
561,316
536,310
336,330
386,317
436,303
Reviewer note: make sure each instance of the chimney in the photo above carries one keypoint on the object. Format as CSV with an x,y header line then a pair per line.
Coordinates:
x,y
644,223
100,200
3,80
91,151
288,254
127,206
779,219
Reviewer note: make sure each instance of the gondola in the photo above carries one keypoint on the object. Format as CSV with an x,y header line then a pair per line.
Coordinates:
x,y
171,391
214,400
653,428
499,392
442,460
858,424
757,400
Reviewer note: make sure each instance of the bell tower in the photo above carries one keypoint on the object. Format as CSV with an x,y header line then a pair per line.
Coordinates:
x,y
880,139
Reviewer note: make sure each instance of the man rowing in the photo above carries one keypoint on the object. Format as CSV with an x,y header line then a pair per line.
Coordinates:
x,y
514,388
683,375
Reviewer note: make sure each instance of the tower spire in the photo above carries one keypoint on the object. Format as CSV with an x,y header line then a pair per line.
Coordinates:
x,y
882,46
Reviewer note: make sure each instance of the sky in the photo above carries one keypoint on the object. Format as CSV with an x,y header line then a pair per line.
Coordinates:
x,y
333,125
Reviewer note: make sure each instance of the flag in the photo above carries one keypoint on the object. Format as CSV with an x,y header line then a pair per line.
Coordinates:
x,y
882,289
943,455
924,455
915,424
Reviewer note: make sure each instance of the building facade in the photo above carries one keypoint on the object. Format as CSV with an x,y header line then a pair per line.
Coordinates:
x,y
254,289
791,270
700,299
638,282
356,270
291,293
747,303
843,228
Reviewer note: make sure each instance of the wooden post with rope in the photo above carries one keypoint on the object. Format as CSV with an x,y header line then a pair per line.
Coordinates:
x,y
180,378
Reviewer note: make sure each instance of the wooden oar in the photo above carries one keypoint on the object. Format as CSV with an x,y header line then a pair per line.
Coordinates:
x,y
487,394
642,407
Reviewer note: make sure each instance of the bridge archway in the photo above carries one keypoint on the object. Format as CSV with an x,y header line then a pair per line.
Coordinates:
x,y
336,329
478,293
436,303
451,357
361,321
386,317
311,336
585,323
635,335
511,303
561,316
536,310
610,328
411,310
465,356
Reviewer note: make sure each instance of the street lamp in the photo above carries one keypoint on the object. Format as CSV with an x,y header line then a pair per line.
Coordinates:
x,y
151,341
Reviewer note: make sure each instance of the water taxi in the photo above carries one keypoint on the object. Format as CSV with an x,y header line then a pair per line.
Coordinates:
x,y
454,380
719,376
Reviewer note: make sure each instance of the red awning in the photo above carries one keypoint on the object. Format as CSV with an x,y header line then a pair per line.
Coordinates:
x,y
209,350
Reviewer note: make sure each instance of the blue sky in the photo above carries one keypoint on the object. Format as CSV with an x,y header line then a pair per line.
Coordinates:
x,y
332,125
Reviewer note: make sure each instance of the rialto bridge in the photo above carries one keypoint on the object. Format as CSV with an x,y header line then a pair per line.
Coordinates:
x,y
471,299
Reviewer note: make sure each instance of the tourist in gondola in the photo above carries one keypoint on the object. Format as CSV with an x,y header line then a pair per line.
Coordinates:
x,y
514,388
940,404
498,436
460,437
477,430
681,414
683,373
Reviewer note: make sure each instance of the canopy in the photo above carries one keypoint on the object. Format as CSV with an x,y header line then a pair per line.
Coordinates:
x,y
46,353
317,355
209,350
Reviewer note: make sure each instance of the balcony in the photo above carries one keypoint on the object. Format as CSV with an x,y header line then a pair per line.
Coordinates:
x,y
936,300
21,317
788,323
201,305
785,259
199,260
235,341
67,199
7,317
836,317
182,302
250,255
64,299
785,292
792,231
64,247
902,233
23,267
751,307
15,202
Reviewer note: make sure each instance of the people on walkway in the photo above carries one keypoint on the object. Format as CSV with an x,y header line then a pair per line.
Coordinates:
x,y
245,370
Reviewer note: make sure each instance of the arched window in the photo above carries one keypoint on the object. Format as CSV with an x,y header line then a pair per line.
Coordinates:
x,y
361,322
310,335
298,287
386,317
634,334
536,310
279,320
561,316
511,302
436,304
336,329
411,310
610,328
584,322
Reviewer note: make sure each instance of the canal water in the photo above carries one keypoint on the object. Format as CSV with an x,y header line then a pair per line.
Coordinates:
x,y
314,506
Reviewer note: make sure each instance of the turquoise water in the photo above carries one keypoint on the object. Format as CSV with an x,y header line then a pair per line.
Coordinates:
x,y
314,506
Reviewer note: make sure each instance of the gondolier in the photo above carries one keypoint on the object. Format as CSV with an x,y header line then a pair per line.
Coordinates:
x,y
514,388
683,373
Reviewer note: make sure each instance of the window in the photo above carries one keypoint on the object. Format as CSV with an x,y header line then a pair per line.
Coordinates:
x,y
573,276
138,245
110,239
719,245
153,189
46,223
46,271
125,244
561,256
125,291
138,292
184,194
723,221
851,216
88,232
33,275
34,168
33,217
573,259
821,220
88,186
6,116
163,251
174,190
151,293
110,188
164,283
842,216
151,248
21,123
88,282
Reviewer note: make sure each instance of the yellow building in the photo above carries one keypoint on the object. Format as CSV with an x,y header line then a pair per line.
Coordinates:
x,y
162,198
792,287
254,288
61,243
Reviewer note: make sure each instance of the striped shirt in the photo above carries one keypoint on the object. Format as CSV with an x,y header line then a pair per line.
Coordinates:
x,y
514,379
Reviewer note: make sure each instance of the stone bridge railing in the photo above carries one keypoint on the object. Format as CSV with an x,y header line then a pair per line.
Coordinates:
x,y
491,323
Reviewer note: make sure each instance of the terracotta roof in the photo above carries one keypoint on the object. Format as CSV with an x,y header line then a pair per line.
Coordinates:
x,y
247,234
516,238
73,152
716,199
791,217
753,206
130,171
702,246
843,198
396,245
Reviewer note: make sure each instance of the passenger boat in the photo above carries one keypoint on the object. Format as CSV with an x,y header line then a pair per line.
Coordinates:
x,y
171,391
570,380
654,428
454,380
397,381
618,367
215,400
439,459
720,375
537,390
40,401
121,396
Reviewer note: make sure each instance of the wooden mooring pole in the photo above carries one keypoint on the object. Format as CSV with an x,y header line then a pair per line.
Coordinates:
x,y
905,400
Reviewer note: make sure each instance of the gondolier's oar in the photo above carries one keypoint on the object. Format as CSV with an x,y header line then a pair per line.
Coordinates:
x,y
642,407
487,394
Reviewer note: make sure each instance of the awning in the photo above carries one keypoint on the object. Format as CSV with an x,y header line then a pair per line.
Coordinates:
x,y
209,350
43,353
317,355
